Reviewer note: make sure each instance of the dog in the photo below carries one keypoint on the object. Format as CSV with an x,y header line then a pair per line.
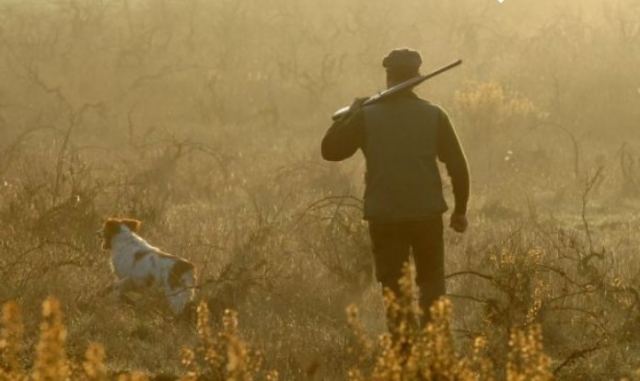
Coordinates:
x,y
136,264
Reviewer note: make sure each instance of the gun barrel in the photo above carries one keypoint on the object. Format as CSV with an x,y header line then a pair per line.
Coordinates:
x,y
397,88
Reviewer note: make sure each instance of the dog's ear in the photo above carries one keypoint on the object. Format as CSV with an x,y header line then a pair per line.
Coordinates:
x,y
133,225
111,226
110,229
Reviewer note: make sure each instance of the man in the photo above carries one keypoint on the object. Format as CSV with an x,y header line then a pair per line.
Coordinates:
x,y
401,137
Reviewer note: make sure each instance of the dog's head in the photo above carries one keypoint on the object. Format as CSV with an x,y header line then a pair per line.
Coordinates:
x,y
113,226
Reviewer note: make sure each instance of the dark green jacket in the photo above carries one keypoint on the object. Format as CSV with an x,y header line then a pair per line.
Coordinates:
x,y
401,138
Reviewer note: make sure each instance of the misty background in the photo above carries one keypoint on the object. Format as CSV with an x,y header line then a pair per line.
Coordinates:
x,y
203,118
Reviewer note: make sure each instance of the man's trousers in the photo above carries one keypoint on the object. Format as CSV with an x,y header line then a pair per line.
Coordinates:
x,y
394,243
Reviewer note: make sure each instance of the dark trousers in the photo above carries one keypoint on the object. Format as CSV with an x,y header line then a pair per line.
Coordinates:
x,y
393,243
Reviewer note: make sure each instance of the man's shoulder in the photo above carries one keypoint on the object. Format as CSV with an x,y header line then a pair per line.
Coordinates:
x,y
429,104
412,101
431,107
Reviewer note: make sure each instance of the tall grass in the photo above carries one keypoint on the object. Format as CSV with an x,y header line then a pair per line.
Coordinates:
x,y
203,119
407,353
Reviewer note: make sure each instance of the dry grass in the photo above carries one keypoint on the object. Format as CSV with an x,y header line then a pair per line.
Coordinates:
x,y
409,353
203,119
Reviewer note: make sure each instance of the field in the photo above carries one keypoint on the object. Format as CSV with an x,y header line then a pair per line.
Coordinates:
x,y
204,119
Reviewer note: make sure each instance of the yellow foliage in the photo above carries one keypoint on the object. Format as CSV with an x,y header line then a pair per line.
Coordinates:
x,y
489,105
408,353
430,353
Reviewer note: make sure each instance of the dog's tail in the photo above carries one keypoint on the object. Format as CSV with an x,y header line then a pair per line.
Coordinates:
x,y
182,283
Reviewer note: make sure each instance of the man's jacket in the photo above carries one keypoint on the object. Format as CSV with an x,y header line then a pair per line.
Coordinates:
x,y
401,138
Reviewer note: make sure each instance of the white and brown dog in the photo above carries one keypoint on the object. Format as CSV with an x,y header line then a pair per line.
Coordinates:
x,y
137,264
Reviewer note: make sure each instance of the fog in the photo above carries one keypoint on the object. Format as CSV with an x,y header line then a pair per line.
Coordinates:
x,y
203,119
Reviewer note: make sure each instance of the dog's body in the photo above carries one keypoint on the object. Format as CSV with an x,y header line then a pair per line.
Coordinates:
x,y
137,264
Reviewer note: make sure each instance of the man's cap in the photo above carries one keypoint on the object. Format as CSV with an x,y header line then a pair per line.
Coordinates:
x,y
402,59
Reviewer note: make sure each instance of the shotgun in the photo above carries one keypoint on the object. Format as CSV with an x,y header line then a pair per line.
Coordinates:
x,y
415,81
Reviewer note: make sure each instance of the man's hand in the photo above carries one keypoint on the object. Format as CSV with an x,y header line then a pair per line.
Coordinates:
x,y
459,223
356,105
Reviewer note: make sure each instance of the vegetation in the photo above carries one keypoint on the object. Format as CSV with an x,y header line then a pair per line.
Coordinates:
x,y
203,119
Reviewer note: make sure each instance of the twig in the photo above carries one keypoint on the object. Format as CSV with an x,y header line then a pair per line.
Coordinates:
x,y
578,354
591,182
470,272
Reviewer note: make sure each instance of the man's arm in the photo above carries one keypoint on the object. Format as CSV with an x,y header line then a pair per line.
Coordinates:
x,y
345,136
451,154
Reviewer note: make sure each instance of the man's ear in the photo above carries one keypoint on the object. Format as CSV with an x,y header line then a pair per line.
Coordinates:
x,y
133,225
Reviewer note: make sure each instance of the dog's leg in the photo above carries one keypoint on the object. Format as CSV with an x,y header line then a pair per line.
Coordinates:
x,y
180,297
121,286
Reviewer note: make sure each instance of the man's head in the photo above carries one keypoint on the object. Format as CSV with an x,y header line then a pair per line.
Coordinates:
x,y
401,65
